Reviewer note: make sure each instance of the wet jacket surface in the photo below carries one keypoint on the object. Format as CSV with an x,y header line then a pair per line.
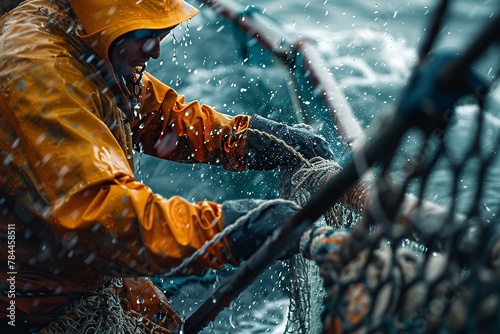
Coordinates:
x,y
66,147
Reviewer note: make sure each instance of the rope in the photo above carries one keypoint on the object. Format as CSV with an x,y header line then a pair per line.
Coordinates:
x,y
297,185
305,283
309,177
228,229
280,141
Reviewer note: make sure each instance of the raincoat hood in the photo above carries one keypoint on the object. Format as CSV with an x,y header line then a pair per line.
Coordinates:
x,y
105,20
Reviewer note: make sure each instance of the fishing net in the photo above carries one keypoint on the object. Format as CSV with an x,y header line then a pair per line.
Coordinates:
x,y
100,312
119,306
414,246
305,286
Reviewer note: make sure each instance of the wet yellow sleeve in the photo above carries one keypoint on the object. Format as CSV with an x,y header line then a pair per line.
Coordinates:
x,y
172,129
131,230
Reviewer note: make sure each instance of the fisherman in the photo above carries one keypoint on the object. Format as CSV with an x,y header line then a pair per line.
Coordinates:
x,y
77,229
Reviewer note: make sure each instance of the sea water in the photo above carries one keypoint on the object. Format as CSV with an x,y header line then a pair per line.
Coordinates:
x,y
370,47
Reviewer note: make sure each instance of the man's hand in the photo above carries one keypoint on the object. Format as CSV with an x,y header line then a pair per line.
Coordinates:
x,y
264,152
257,220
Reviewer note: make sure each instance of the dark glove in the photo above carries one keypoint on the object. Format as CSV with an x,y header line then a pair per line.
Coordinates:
x,y
253,230
263,153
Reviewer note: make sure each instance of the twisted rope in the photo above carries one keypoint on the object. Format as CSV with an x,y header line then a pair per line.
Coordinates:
x,y
228,229
309,177
280,141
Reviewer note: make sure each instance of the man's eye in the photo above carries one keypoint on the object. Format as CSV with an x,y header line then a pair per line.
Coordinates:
x,y
149,45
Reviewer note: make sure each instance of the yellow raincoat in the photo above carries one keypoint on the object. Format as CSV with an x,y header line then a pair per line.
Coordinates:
x,y
66,139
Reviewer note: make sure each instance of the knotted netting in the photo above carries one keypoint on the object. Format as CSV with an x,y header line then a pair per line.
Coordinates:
x,y
414,246
102,311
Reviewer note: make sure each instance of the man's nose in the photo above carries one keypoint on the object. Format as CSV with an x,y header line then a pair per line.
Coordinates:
x,y
151,47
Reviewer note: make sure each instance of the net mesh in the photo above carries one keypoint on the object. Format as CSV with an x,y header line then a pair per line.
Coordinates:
x,y
304,287
101,312
415,247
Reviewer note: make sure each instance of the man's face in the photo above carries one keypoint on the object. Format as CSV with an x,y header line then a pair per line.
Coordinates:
x,y
133,50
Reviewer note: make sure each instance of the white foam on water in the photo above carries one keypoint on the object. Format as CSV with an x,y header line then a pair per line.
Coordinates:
x,y
366,58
